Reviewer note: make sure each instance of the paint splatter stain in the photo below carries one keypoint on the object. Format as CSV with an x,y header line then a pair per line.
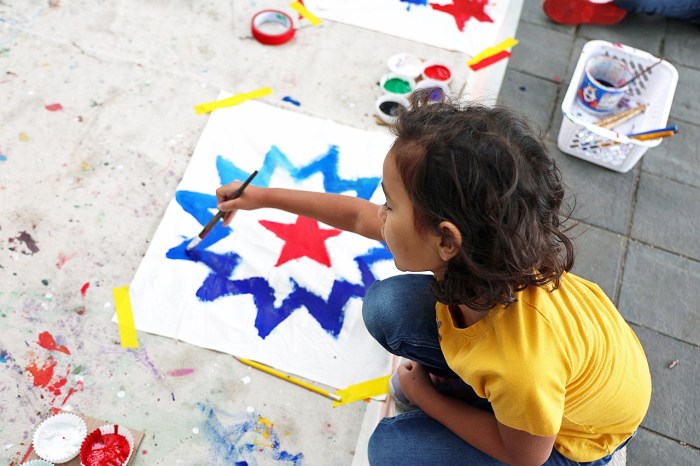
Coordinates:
x,y
248,439
291,101
84,288
4,357
24,239
54,107
24,137
180,372
62,259
45,282
463,10
47,341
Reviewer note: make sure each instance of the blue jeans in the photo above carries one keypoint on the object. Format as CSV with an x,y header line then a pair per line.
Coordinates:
x,y
686,10
399,313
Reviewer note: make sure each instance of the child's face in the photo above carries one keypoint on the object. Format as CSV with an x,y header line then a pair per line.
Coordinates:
x,y
413,251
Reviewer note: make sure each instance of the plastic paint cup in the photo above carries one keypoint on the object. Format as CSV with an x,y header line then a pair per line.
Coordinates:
x,y
438,89
395,83
405,64
388,106
437,70
600,90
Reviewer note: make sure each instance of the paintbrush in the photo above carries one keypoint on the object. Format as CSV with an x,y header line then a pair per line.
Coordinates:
x,y
219,215
619,118
645,70
289,378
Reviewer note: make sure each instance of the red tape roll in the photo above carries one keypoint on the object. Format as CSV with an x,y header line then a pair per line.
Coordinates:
x,y
280,31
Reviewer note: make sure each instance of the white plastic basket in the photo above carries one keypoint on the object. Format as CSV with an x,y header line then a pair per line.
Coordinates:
x,y
611,148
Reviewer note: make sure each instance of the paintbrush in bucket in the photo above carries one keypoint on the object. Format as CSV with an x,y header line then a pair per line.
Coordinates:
x,y
219,215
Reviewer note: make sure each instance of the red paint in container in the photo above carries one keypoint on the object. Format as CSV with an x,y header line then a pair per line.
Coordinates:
x,y
438,73
105,449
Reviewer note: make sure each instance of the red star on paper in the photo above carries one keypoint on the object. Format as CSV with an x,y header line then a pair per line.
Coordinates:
x,y
463,10
303,238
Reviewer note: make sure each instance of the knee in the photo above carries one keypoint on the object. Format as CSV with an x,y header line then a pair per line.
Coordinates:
x,y
388,302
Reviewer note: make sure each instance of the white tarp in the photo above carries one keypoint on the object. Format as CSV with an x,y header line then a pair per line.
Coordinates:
x,y
273,287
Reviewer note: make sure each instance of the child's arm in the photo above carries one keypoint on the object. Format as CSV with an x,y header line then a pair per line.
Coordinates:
x,y
477,427
342,212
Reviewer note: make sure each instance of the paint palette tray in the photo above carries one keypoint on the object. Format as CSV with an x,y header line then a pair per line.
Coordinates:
x,y
91,424
581,137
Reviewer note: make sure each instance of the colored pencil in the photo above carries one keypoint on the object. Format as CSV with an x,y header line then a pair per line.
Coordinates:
x,y
619,118
673,128
289,378
219,215
653,135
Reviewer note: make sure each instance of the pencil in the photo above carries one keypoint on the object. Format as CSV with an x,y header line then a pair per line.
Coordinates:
x,y
652,135
673,128
289,378
219,215
619,118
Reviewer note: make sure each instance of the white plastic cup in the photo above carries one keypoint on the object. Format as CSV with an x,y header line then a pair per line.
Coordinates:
x,y
437,70
395,83
604,84
387,106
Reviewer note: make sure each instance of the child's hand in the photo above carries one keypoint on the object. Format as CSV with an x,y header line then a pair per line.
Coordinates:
x,y
250,199
415,381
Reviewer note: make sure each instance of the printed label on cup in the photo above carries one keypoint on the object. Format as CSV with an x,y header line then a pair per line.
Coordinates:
x,y
604,84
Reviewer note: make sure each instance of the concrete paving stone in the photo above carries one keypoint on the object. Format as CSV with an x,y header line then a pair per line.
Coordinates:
x,y
676,158
666,215
650,449
674,399
532,97
557,115
603,197
530,57
532,13
686,105
640,31
598,256
682,43
647,272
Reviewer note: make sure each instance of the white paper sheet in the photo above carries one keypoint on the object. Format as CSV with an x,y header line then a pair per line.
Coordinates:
x,y
467,26
242,292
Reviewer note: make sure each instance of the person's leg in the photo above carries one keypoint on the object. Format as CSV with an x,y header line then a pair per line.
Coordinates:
x,y
399,313
686,10
417,439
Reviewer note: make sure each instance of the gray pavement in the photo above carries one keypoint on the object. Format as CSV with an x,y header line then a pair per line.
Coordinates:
x,y
638,230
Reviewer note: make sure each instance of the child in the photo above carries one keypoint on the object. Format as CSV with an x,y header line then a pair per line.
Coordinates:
x,y
556,375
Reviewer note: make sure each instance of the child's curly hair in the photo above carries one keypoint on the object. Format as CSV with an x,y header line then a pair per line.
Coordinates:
x,y
485,170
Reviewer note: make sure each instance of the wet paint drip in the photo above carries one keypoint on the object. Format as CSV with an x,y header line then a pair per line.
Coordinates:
x,y
27,240
437,72
390,108
104,449
397,86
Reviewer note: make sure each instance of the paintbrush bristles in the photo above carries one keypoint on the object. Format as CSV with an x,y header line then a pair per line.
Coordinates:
x,y
194,243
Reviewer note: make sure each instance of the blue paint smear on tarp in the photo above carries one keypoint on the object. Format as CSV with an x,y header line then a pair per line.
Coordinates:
x,y
410,3
291,101
245,440
329,313
4,357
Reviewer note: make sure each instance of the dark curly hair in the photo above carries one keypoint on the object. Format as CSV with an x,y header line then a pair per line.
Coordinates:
x,y
485,170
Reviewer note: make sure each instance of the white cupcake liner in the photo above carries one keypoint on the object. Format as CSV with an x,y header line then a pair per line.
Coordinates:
x,y
114,429
58,438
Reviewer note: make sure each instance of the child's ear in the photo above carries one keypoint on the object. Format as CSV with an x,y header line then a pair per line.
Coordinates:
x,y
450,240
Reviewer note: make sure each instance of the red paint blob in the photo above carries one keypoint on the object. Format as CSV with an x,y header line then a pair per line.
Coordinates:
x,y
437,72
84,289
100,449
54,107
42,375
180,372
47,341
304,238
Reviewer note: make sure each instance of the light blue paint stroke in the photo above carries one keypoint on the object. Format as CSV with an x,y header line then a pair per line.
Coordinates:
x,y
232,444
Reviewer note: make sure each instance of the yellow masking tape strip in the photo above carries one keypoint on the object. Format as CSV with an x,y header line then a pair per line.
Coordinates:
x,y
125,318
231,101
301,9
362,390
506,44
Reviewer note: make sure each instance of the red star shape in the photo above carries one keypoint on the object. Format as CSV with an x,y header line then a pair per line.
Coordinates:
x,y
303,238
463,10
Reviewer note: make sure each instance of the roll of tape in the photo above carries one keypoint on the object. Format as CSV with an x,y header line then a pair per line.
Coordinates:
x,y
272,27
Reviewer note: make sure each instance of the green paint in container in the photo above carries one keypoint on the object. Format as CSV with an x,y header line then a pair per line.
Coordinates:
x,y
397,86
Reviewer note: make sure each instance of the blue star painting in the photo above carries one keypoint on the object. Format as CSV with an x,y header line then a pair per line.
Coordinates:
x,y
275,287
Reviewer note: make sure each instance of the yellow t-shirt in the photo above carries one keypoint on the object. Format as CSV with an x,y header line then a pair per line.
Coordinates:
x,y
563,363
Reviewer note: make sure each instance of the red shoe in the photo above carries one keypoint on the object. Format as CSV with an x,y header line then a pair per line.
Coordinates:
x,y
583,12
